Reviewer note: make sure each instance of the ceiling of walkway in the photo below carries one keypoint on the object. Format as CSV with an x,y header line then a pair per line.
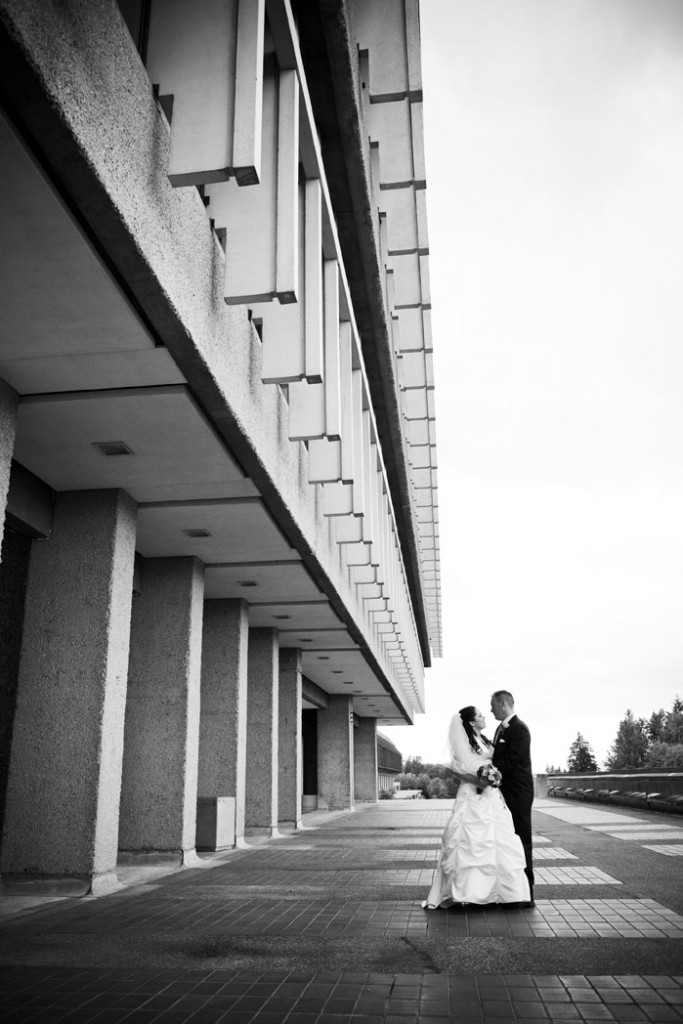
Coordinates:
x,y
103,406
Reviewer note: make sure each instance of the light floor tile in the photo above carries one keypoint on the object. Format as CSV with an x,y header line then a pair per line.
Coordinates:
x,y
668,851
585,815
638,837
554,853
642,826
573,876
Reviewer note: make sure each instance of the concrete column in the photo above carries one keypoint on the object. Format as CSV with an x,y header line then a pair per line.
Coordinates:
x,y
62,808
540,786
14,563
335,753
8,427
290,775
160,760
262,733
223,718
365,760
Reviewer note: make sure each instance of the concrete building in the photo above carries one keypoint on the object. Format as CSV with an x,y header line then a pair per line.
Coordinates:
x,y
220,561
389,764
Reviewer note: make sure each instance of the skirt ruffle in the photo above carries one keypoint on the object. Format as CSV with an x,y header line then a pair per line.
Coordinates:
x,y
482,859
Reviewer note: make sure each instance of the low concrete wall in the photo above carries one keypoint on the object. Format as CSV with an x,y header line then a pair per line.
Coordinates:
x,y
657,791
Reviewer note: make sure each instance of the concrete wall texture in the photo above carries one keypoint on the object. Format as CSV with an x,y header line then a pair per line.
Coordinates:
x,y
365,760
63,816
335,754
161,749
290,757
210,489
223,719
16,551
8,423
262,733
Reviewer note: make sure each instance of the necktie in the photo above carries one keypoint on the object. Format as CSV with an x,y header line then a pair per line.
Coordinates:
x,y
497,733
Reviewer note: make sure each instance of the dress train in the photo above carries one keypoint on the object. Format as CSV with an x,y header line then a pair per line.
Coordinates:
x,y
482,858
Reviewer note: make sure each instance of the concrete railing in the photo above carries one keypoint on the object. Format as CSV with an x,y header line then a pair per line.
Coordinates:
x,y
656,791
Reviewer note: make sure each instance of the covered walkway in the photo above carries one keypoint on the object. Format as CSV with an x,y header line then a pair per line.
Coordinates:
x,y
326,926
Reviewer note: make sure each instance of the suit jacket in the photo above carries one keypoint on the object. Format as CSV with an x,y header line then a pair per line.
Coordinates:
x,y
512,757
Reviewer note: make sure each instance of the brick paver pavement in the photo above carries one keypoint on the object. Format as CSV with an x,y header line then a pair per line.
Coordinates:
x,y
325,927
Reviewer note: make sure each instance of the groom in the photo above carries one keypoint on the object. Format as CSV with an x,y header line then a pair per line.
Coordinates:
x,y
512,758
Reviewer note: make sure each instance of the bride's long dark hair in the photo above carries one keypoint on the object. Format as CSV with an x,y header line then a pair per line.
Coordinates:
x,y
467,716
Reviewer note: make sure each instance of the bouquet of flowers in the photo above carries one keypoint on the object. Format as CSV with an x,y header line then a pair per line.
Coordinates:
x,y
489,775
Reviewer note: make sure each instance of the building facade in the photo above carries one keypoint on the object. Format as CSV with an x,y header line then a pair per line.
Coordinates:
x,y
220,562
389,764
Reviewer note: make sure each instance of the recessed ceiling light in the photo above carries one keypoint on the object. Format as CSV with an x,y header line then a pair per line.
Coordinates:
x,y
247,583
349,682
197,533
323,657
112,448
282,616
337,671
305,639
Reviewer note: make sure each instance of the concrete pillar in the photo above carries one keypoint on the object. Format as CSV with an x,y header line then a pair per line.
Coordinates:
x,y
14,563
540,786
335,753
8,427
262,733
160,760
62,808
365,760
290,775
223,718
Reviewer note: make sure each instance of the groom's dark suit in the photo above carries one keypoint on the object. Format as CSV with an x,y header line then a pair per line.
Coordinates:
x,y
511,755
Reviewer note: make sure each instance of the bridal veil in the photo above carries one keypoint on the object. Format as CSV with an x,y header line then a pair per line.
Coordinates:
x,y
463,758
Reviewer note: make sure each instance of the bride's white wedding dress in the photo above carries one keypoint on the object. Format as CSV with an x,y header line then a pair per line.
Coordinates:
x,y
482,859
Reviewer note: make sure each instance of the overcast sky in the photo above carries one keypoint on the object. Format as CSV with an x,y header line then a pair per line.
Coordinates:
x,y
554,144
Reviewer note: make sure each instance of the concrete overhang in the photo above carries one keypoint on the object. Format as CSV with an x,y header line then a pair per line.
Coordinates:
x,y
329,51
104,404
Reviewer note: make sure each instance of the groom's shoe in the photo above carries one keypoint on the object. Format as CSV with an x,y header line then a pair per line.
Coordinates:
x,y
525,904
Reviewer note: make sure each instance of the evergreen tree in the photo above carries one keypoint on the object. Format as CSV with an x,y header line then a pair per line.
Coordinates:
x,y
413,766
665,755
672,729
581,757
656,724
630,747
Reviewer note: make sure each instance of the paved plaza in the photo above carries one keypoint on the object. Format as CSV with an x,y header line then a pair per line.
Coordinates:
x,y
325,927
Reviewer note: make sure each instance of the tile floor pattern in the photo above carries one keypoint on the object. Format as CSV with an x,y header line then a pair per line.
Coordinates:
x,y
585,814
573,876
623,827
260,893
639,837
192,911
30,996
552,853
614,826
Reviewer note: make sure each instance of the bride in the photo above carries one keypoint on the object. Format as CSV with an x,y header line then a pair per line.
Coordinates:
x,y
482,860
